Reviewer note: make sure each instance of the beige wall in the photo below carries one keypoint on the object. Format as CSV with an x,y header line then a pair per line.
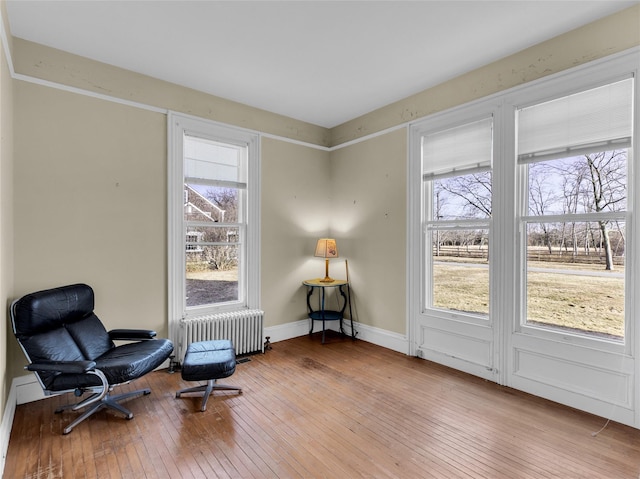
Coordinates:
x,y
90,203
368,218
295,204
6,219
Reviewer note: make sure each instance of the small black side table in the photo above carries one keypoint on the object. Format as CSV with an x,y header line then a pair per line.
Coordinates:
x,y
323,314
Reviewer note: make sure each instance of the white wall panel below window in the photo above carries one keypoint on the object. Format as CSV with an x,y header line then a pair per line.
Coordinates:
x,y
605,390
470,349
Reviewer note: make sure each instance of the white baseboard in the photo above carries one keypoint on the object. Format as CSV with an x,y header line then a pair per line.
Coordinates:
x,y
5,426
286,331
23,389
382,337
370,334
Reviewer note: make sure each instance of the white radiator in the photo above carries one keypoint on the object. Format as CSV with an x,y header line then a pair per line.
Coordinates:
x,y
244,329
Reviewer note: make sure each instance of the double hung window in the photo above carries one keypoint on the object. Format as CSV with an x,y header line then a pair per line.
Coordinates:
x,y
573,155
215,190
213,218
456,166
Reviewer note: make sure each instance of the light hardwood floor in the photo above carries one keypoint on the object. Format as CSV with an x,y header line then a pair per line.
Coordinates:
x,y
342,410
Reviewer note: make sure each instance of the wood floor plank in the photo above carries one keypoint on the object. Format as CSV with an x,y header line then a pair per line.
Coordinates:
x,y
346,409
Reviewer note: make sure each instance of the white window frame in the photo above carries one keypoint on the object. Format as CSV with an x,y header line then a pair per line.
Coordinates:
x,y
602,73
249,276
430,225
417,216
551,364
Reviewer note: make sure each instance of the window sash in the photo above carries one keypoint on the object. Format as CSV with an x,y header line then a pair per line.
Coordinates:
x,y
573,217
215,183
461,224
193,228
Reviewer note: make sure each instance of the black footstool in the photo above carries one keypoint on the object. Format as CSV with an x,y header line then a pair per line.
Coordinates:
x,y
209,361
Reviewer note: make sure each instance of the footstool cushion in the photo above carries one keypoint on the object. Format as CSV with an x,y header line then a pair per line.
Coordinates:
x,y
209,361
206,360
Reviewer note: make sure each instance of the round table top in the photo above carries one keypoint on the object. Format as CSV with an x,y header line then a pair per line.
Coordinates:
x,y
317,282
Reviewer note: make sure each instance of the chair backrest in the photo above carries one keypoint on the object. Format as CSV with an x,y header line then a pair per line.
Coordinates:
x,y
59,325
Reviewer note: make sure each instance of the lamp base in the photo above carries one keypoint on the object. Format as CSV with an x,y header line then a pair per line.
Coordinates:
x,y
326,279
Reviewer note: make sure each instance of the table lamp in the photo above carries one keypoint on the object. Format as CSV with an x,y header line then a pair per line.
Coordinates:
x,y
326,248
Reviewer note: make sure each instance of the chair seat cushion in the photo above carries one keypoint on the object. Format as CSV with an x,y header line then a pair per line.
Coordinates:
x,y
206,360
133,360
121,364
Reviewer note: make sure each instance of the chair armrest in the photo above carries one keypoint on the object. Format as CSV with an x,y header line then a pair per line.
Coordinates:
x,y
65,367
131,334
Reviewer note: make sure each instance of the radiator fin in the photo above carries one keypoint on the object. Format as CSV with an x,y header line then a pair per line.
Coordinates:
x,y
244,328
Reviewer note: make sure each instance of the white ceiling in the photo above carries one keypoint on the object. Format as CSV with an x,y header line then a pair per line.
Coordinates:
x,y
324,62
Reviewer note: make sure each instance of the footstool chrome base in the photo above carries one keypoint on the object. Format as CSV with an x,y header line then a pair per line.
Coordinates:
x,y
208,389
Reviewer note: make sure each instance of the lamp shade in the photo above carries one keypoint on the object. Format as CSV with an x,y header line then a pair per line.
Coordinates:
x,y
326,248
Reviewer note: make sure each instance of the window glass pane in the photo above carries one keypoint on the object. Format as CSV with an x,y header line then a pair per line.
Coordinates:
x,y
211,204
460,260
212,275
575,276
464,196
596,182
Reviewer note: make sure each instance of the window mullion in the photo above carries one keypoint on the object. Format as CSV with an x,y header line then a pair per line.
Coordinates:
x,y
582,217
219,183
212,224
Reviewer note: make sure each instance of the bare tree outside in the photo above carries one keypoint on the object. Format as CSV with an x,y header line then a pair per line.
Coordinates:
x,y
227,200
592,183
460,248
224,257
542,197
564,288
608,188
472,192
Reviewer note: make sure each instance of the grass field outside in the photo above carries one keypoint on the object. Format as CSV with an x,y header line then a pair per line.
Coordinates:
x,y
565,296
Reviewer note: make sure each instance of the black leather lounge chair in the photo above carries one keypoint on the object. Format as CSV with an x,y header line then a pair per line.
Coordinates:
x,y
69,349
